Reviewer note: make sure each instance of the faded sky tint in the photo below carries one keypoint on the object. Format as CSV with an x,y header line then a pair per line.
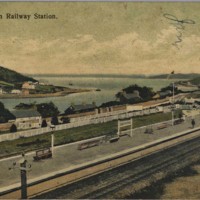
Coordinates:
x,y
100,38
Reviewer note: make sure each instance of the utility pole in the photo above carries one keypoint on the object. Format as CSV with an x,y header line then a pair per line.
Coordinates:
x,y
52,139
23,180
24,167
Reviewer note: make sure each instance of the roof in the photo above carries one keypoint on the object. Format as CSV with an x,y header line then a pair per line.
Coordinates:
x,y
167,92
25,113
83,107
186,107
133,95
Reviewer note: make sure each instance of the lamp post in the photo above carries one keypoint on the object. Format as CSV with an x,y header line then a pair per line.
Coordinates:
x,y
52,139
24,167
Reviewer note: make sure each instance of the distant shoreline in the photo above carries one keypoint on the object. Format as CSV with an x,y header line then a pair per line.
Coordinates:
x,y
66,91
145,76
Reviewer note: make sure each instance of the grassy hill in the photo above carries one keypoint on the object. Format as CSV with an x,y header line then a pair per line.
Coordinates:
x,y
8,76
3,83
175,76
195,81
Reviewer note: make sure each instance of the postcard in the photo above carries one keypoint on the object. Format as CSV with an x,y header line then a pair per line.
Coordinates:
x,y
99,100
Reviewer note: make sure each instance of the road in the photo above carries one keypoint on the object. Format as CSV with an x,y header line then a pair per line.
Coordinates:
x,y
67,156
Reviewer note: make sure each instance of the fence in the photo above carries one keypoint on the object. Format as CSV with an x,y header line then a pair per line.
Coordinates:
x,y
141,129
79,121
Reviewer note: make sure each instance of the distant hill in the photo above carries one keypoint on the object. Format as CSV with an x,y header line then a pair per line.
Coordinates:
x,y
92,75
175,76
10,76
195,81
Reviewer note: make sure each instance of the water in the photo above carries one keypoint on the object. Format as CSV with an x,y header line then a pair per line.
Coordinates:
x,y
109,87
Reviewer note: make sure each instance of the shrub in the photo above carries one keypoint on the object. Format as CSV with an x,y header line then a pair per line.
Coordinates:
x,y
54,120
65,120
13,128
44,123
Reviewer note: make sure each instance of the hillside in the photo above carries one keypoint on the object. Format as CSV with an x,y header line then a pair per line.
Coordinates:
x,y
10,76
195,81
175,76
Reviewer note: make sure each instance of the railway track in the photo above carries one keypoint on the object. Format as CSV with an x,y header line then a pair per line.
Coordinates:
x,y
108,183
132,179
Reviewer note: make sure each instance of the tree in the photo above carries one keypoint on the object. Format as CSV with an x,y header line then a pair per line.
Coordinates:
x,y
47,109
44,123
1,106
54,120
170,87
5,114
65,120
180,115
13,128
145,93
110,103
25,106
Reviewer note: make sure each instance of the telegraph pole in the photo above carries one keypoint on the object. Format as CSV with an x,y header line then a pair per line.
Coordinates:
x,y
23,174
52,139
23,180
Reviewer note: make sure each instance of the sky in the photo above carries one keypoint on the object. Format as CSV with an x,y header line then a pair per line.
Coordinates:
x,y
101,37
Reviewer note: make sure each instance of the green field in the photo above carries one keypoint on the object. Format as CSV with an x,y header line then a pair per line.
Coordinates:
x,y
3,83
45,88
74,134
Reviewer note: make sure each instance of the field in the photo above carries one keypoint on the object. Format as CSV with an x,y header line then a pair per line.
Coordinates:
x,y
45,89
3,83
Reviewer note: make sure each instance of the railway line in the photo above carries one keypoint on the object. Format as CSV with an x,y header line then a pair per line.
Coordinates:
x,y
110,184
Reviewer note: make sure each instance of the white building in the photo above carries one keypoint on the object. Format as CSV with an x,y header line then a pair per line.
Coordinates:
x,y
28,85
15,91
191,100
27,119
134,107
187,88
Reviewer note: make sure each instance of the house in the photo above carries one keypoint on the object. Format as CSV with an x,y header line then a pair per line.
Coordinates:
x,y
186,107
80,108
42,83
187,88
165,93
156,96
130,97
25,92
1,90
15,91
189,100
28,85
27,119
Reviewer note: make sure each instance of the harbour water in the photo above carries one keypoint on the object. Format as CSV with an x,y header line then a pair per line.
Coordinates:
x,y
108,86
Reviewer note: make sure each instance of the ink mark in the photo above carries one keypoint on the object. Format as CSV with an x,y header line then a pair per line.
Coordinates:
x,y
180,27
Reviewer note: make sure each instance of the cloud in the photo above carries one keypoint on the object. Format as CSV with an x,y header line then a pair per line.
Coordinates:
x,y
126,53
